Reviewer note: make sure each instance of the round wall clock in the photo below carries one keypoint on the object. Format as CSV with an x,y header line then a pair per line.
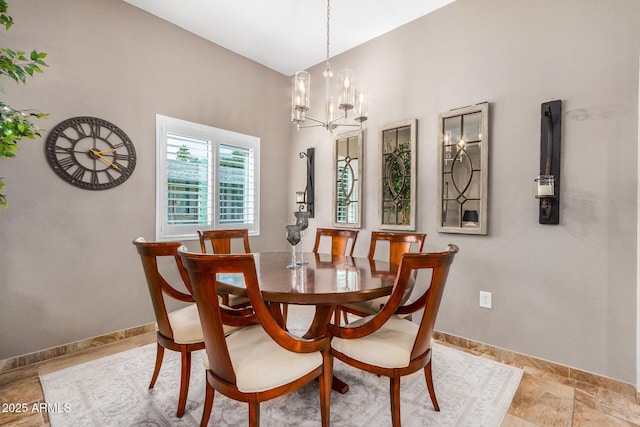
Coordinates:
x,y
90,153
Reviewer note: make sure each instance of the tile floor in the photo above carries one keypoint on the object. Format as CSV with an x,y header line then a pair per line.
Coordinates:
x,y
543,399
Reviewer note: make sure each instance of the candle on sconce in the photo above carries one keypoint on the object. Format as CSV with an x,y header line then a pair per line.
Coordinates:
x,y
545,185
300,197
545,190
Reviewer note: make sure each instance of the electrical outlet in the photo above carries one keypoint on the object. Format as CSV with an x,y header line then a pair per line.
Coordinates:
x,y
485,299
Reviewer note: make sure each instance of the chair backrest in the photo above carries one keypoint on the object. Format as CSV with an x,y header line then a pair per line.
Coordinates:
x,y
158,285
438,263
220,240
203,270
399,243
339,240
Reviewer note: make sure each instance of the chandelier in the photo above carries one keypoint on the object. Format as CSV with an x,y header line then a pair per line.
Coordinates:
x,y
336,109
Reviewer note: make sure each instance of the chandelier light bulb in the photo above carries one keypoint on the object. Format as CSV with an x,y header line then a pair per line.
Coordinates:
x,y
346,92
301,90
361,104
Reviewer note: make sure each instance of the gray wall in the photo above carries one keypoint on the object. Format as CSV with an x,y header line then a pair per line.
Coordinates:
x,y
68,270
565,293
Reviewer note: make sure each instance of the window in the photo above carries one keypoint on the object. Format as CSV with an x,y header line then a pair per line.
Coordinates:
x,y
207,178
347,198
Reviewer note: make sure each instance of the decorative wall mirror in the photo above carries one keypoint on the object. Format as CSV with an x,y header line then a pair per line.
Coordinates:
x,y
347,175
463,159
397,203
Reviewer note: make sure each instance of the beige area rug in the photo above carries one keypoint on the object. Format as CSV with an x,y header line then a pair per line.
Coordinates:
x,y
112,391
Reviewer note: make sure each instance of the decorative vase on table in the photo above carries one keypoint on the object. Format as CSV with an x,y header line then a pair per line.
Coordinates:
x,y
293,237
302,220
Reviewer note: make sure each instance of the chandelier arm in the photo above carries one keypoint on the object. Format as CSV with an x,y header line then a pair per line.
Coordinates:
x,y
359,125
344,116
322,122
312,126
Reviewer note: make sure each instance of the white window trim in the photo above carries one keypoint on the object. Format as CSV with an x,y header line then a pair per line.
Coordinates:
x,y
168,125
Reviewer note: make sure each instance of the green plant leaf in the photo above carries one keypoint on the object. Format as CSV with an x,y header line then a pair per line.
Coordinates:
x,y
15,124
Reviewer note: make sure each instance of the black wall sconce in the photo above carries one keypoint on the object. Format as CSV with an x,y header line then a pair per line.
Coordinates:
x,y
305,198
549,179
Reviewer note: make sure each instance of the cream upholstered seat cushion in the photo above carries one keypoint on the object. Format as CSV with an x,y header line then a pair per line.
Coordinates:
x,y
261,364
185,323
373,306
388,347
236,300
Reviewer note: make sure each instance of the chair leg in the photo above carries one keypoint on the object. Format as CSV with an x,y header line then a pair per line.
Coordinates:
x,y
336,316
254,413
156,370
225,299
432,392
184,382
325,381
395,401
346,317
285,311
208,405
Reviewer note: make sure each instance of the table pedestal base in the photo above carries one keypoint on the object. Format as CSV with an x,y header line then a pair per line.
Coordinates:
x,y
339,385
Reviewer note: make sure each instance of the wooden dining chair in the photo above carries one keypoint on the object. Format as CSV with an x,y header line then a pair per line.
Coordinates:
x,y
339,242
399,244
260,362
177,330
220,242
385,343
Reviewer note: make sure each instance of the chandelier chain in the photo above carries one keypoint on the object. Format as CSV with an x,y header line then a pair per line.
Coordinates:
x,y
328,33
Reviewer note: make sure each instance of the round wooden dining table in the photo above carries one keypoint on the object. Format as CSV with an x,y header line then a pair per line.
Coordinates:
x,y
324,281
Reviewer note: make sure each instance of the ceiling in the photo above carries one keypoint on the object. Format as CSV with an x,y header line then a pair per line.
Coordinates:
x,y
288,35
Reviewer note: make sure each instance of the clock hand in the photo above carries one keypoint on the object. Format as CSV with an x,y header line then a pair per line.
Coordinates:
x,y
103,151
97,153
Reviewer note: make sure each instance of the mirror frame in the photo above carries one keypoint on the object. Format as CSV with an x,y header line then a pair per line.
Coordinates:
x,y
483,170
359,135
413,126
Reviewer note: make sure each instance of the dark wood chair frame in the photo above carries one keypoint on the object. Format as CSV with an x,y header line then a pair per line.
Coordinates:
x,y
429,300
159,287
221,377
339,241
399,244
220,241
